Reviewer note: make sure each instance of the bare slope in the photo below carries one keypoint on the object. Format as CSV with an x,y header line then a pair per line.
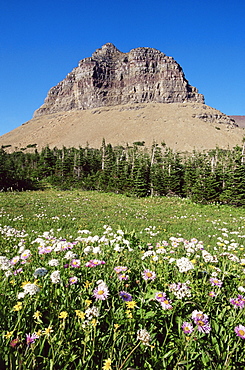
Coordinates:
x,y
182,126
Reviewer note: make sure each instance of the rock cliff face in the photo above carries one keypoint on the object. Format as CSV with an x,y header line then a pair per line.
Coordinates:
x,y
111,77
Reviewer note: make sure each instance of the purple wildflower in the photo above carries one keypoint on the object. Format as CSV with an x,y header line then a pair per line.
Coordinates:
x,y
212,294
94,263
160,296
148,275
120,269
31,338
240,331
101,292
18,271
123,277
73,280
201,320
166,304
187,327
239,301
215,282
75,263
125,296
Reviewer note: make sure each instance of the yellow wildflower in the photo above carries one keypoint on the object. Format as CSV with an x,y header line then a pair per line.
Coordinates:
x,y
37,315
116,326
88,302
63,315
48,331
25,283
130,304
107,365
9,334
18,306
38,333
80,314
87,284
93,322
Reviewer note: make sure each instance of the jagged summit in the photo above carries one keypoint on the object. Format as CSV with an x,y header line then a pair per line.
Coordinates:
x,y
110,77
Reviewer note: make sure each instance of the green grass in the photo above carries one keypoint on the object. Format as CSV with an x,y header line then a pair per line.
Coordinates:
x,y
76,210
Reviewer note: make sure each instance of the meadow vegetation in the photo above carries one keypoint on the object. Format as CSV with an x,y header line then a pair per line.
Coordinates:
x,y
93,280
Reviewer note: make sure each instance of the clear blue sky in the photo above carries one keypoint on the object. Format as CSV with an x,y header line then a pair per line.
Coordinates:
x,y
42,41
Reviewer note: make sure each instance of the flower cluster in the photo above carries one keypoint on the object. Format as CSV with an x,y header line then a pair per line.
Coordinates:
x,y
201,320
180,290
184,264
143,336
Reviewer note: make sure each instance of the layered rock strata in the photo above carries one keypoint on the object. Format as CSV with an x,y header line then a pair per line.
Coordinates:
x,y
110,77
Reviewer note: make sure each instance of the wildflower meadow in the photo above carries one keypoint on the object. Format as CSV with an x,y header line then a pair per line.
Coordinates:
x,y
109,282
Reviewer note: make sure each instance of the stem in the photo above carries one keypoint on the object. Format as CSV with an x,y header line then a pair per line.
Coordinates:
x,y
128,356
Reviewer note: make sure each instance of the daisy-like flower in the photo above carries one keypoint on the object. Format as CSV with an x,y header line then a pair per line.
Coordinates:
x,y
26,254
107,365
75,263
94,263
14,260
73,280
143,336
131,304
125,296
37,315
101,292
47,331
212,294
123,277
240,331
148,275
120,269
187,327
31,338
239,301
21,295
201,320
166,304
215,282
160,296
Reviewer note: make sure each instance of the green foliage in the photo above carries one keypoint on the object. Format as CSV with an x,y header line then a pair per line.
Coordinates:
x,y
214,176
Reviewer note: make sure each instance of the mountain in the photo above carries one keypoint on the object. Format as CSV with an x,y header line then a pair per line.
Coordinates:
x,y
142,95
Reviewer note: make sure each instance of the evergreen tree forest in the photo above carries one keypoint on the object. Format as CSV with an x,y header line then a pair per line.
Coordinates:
x,y
217,175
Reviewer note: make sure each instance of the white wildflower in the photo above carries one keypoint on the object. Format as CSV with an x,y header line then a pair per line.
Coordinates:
x,y
31,289
184,264
55,277
53,262
143,336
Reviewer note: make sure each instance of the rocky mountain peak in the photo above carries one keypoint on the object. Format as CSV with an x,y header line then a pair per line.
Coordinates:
x,y
110,77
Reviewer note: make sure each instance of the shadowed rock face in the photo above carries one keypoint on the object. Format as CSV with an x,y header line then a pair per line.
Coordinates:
x,y
111,77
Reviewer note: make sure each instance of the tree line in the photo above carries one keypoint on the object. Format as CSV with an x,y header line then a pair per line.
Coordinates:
x,y
217,175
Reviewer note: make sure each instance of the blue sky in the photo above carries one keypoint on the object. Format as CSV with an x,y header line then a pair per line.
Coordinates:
x,y
42,41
